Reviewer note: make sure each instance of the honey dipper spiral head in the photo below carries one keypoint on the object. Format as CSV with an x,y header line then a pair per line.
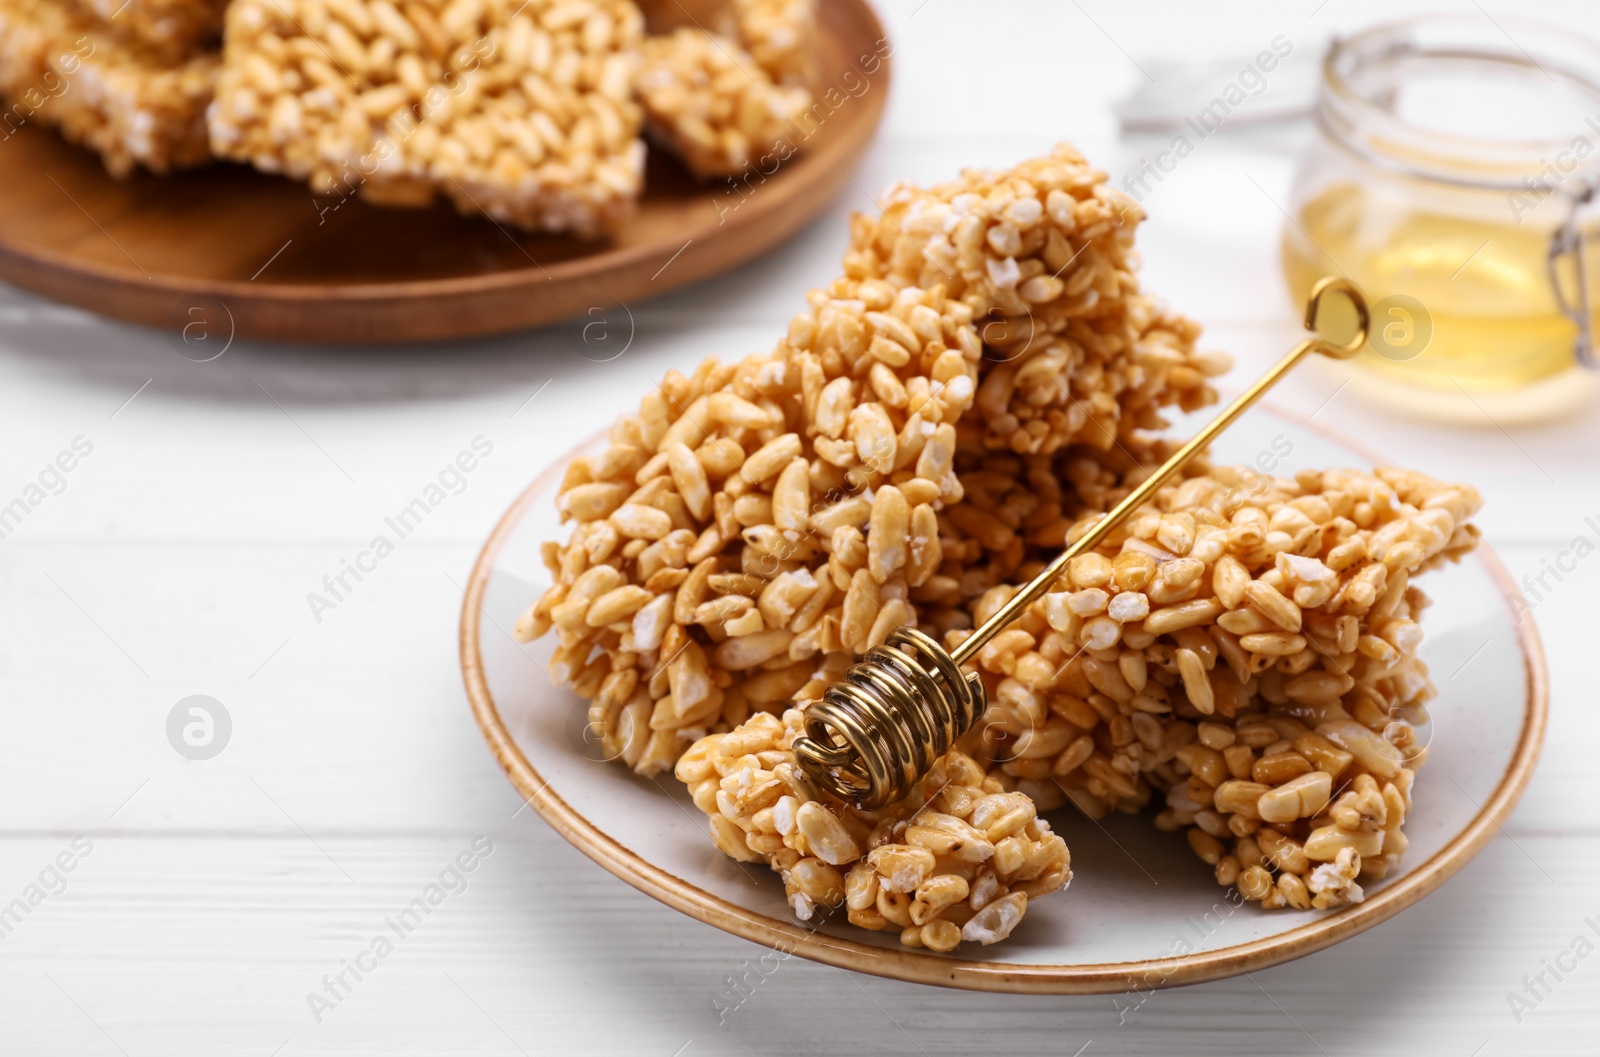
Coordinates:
x,y
881,727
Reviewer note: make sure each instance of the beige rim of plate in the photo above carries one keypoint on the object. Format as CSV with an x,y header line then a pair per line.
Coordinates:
x,y
924,967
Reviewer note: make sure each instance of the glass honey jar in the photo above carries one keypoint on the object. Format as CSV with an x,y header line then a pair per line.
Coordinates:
x,y
1452,176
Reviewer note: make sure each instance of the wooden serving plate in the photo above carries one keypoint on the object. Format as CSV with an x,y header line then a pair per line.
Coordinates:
x,y
256,256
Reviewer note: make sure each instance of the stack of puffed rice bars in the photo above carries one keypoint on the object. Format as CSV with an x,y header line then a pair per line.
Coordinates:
x,y
1239,659
529,111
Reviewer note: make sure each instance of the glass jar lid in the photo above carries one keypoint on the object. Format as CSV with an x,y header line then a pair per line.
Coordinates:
x,y
1466,99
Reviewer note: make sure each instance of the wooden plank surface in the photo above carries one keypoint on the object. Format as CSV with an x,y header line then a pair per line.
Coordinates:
x,y
175,560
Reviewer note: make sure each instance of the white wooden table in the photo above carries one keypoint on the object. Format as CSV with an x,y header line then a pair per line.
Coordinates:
x,y
207,899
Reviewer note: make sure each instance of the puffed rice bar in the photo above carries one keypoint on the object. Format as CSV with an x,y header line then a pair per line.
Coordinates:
x,y
719,558
521,111
175,28
1043,255
779,35
1245,648
959,860
118,98
709,102
757,526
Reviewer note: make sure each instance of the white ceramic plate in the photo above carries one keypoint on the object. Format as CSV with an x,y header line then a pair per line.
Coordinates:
x,y
1142,911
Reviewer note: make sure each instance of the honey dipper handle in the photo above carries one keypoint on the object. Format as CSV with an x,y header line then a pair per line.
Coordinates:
x,y
1040,584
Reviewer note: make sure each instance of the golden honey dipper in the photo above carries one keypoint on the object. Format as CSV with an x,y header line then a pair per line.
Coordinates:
x,y
880,728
